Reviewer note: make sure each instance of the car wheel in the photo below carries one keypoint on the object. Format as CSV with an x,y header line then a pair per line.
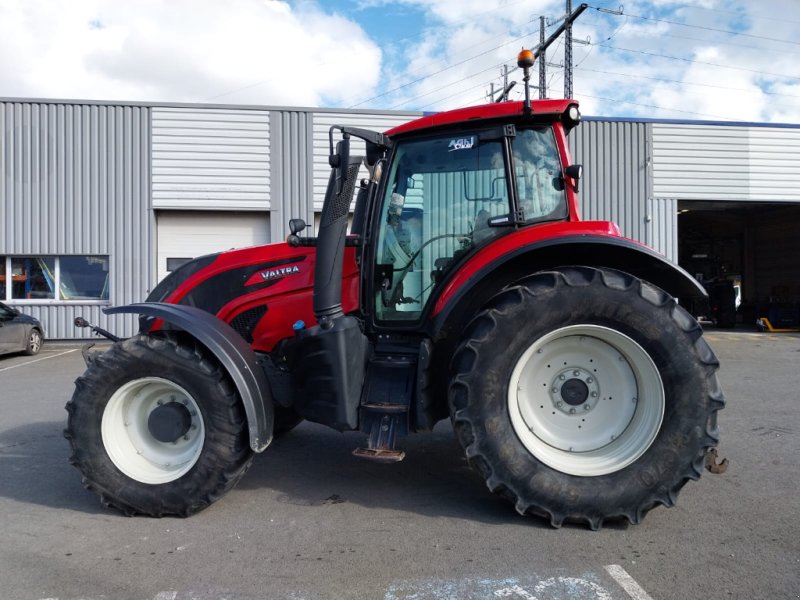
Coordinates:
x,y
34,342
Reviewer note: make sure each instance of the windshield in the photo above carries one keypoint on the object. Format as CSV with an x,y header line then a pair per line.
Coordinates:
x,y
440,195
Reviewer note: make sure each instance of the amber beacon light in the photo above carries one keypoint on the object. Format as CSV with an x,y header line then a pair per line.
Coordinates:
x,y
525,59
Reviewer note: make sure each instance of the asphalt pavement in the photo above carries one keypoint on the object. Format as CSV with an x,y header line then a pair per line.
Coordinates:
x,y
311,521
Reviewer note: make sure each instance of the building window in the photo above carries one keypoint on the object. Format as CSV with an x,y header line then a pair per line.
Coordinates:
x,y
173,264
54,278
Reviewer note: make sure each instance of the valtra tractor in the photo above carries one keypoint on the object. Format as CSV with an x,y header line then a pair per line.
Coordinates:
x,y
467,287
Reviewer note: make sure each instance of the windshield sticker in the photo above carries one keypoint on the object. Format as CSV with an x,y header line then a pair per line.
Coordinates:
x,y
461,144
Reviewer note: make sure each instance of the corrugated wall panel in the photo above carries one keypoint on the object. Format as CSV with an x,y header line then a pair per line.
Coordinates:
x,y
616,181
774,158
662,226
721,162
211,158
292,170
74,180
322,122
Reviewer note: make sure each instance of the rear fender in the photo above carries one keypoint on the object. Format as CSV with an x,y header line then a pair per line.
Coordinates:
x,y
231,350
472,287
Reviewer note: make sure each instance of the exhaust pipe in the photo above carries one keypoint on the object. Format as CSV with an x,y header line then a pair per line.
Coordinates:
x,y
332,233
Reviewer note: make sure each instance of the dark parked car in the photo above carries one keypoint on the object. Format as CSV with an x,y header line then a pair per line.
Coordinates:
x,y
19,332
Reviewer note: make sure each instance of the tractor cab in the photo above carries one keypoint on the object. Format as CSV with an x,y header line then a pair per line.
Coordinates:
x,y
448,193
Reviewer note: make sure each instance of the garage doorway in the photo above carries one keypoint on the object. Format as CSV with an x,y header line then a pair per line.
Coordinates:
x,y
747,256
183,235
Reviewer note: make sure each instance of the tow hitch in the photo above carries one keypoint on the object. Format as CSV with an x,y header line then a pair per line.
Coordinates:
x,y
718,468
86,349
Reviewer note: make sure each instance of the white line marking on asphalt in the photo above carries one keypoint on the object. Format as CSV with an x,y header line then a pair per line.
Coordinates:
x,y
166,596
512,591
30,362
627,582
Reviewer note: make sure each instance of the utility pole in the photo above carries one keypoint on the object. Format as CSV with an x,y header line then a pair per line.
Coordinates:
x,y
542,63
568,54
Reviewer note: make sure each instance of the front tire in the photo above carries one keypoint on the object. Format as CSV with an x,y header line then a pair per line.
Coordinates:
x,y
585,395
34,342
157,428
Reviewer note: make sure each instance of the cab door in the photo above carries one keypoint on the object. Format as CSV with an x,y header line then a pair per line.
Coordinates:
x,y
439,202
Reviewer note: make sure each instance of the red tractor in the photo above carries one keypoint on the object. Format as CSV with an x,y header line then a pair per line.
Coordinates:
x,y
466,287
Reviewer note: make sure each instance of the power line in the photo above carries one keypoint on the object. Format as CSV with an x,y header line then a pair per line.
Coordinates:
x,y
699,62
705,28
392,41
459,93
708,85
466,60
688,112
408,100
724,43
733,12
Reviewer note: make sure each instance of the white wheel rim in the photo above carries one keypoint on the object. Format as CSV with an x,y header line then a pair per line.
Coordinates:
x,y
586,400
35,341
127,438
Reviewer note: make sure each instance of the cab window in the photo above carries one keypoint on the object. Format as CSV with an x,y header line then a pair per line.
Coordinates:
x,y
441,193
540,184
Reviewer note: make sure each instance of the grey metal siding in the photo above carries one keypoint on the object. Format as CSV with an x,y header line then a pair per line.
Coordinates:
x,y
322,122
292,170
616,181
719,162
662,226
211,158
74,179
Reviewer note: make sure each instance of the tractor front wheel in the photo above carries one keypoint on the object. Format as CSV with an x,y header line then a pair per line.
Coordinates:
x,y
585,395
157,428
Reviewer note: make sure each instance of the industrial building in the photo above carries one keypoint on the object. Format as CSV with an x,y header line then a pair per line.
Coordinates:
x,y
99,201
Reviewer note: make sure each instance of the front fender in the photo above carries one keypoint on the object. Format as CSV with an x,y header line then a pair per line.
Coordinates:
x,y
231,350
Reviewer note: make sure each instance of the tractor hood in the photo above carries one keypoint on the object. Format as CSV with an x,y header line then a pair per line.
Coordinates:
x,y
268,287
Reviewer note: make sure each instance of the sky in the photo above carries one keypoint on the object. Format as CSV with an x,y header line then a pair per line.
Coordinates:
x,y
720,60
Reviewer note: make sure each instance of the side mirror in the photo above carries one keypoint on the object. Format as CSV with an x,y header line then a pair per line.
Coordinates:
x,y
574,172
341,161
297,225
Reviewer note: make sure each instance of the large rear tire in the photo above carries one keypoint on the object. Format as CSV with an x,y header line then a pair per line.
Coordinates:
x,y
584,395
157,428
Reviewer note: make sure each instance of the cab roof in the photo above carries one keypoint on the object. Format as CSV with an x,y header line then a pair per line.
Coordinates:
x,y
483,112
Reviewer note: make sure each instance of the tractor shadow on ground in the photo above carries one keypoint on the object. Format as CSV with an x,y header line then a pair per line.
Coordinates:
x,y
313,466
309,466
35,469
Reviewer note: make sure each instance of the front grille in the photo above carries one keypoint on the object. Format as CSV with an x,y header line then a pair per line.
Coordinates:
x,y
245,322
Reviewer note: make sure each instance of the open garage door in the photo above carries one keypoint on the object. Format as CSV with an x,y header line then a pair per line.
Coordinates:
x,y
747,255
183,235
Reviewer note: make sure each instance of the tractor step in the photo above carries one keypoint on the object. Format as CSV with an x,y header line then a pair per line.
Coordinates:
x,y
384,410
384,422
379,455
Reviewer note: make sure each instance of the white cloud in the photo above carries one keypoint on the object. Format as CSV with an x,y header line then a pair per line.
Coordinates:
x,y
265,52
445,53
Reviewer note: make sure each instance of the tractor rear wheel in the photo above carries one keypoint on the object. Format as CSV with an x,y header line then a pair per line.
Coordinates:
x,y
584,395
157,428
